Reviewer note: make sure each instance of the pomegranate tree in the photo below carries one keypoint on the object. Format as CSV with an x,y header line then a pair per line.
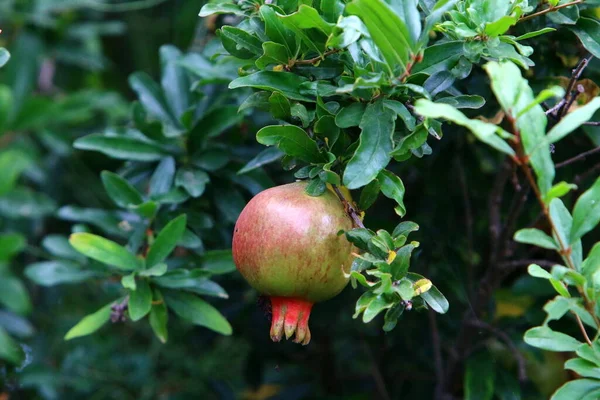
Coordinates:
x,y
288,246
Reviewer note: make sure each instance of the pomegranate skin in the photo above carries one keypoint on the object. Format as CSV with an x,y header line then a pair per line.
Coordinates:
x,y
286,244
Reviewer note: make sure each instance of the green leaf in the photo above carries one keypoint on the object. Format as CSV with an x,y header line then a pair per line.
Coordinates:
x,y
197,311
128,281
573,120
563,223
9,349
159,317
307,18
408,12
463,101
588,32
266,156
286,83
140,300
530,35
193,180
279,106
218,262
440,57
437,12
360,237
221,8
182,278
387,30
538,272
393,188
174,82
586,214
479,377
11,244
120,191
273,53
515,94
350,116
292,140
12,163
162,179
276,31
375,145
558,190
152,98
104,250
239,43
436,300
166,241
583,368
157,270
50,273
25,203
581,389
121,147
13,295
90,323
484,131
4,56
535,237
369,194
315,187
545,338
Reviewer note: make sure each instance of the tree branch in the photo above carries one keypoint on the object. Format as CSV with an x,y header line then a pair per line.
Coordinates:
x,y
352,212
506,339
550,9
579,157
526,263
561,108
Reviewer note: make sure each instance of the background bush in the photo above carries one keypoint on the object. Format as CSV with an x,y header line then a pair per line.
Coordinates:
x,y
116,123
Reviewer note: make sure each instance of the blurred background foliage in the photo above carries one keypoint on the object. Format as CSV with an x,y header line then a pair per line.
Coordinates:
x,y
69,76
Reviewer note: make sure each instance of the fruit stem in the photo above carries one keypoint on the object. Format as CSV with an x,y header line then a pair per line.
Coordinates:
x,y
290,316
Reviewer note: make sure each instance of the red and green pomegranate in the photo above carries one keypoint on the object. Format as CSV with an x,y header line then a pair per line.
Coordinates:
x,y
286,245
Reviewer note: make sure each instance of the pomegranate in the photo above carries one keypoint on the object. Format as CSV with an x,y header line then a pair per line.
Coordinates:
x,y
286,245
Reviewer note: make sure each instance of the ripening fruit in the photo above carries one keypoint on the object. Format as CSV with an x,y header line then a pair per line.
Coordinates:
x,y
286,245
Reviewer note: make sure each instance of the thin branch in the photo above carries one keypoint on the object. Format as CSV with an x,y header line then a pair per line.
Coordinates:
x,y
561,108
579,157
352,212
550,9
582,328
315,60
506,339
592,123
583,176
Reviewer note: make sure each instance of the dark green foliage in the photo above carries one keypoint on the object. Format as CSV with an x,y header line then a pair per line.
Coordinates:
x,y
124,164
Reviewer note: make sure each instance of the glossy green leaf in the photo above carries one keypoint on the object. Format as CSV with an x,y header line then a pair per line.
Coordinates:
x,y
545,338
539,32
90,323
105,251
558,190
276,31
152,97
588,32
197,311
350,116
240,43
583,368
25,203
375,145
292,140
174,82
387,30
218,262
159,317
581,389
266,156
563,222
586,214
166,241
220,8
285,83
140,300
393,188
121,147
484,131
436,300
119,190
535,237
514,94
573,120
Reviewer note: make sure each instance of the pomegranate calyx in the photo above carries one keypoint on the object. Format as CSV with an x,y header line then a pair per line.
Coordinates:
x,y
290,316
